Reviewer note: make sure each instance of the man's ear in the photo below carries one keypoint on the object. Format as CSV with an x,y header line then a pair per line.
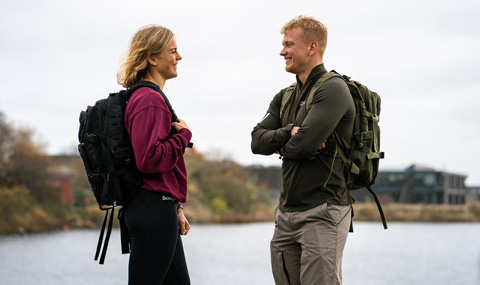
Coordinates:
x,y
312,48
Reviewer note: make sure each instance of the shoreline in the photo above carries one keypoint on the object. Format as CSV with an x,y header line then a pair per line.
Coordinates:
x,y
365,212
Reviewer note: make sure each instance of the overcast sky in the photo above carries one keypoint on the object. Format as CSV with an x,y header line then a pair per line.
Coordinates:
x,y
422,57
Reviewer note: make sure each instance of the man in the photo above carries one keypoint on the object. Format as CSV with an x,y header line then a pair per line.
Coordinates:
x,y
314,212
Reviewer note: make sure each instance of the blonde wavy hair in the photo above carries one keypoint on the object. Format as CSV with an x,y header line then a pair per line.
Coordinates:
x,y
148,40
313,30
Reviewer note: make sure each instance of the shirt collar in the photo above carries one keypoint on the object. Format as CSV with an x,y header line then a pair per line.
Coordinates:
x,y
314,75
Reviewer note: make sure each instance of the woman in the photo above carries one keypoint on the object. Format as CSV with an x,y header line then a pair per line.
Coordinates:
x,y
155,216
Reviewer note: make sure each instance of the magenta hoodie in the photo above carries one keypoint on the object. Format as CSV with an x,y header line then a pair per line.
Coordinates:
x,y
158,148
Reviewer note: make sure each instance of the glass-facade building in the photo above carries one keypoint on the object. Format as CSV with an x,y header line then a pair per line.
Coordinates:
x,y
418,185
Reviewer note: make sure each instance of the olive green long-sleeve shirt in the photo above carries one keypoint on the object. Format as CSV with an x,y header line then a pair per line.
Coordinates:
x,y
310,176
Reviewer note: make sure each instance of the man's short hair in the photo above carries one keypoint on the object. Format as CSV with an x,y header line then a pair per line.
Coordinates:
x,y
313,30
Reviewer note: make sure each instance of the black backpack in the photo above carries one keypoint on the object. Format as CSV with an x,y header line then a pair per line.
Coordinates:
x,y
108,158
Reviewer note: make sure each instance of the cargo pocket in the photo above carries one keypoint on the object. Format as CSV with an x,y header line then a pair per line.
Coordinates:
x,y
338,213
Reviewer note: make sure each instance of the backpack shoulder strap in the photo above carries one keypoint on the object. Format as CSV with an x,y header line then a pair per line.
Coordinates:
x,y
286,96
155,87
289,91
325,77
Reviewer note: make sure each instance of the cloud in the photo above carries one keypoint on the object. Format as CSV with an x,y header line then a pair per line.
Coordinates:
x,y
57,57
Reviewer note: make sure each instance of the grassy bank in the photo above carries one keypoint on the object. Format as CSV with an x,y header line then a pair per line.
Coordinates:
x,y
34,219
363,212
418,212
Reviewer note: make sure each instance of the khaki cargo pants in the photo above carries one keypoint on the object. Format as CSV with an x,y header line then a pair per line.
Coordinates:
x,y
307,247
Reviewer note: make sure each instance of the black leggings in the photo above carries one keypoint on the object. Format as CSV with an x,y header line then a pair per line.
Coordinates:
x,y
157,255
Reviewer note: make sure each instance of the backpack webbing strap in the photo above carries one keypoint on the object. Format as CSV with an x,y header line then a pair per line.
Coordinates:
x,y
354,169
384,221
351,220
107,237
100,238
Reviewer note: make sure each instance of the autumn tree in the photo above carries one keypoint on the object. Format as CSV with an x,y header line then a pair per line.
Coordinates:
x,y
24,163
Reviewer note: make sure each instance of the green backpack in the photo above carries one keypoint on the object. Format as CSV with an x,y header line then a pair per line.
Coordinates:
x,y
361,166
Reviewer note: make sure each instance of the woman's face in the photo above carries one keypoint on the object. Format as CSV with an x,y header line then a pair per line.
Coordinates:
x,y
167,61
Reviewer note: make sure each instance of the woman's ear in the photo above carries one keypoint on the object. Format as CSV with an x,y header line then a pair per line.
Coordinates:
x,y
152,60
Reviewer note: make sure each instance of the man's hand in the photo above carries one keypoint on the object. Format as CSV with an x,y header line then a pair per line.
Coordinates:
x,y
294,130
323,145
183,224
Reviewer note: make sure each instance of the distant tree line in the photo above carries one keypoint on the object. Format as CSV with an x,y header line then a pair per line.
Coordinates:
x,y
219,189
28,194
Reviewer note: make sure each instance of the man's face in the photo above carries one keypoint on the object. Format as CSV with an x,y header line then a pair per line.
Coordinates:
x,y
295,52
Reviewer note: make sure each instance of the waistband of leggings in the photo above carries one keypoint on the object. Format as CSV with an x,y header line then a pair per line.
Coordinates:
x,y
165,197
168,198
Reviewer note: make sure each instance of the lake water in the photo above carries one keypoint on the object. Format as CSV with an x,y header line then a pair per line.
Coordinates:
x,y
406,253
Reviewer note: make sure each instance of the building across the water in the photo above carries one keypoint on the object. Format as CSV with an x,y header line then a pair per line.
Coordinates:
x,y
418,184
415,184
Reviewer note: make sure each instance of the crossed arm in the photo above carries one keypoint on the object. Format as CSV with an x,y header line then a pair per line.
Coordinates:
x,y
328,108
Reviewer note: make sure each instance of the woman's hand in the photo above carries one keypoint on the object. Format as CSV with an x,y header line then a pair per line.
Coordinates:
x,y
181,124
183,224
